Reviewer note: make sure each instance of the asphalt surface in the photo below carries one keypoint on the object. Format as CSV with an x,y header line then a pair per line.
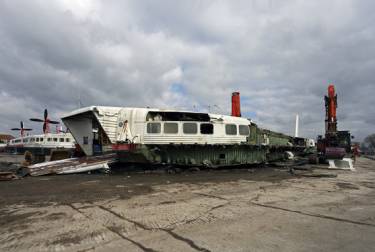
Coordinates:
x,y
251,209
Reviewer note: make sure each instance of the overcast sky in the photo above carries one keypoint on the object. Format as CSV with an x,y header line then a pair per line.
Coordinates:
x,y
281,56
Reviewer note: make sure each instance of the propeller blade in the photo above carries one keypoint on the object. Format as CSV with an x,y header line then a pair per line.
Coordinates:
x,y
44,127
27,129
15,129
36,120
21,124
45,115
53,122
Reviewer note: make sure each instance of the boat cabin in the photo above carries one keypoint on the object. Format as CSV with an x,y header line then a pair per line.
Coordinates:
x,y
96,128
61,140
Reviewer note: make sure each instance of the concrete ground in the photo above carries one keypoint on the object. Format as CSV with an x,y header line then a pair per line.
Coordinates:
x,y
264,209
6,157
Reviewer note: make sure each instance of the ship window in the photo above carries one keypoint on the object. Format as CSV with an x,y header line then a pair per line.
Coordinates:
x,y
25,140
49,139
190,128
41,139
32,140
67,140
244,130
61,140
207,128
170,128
37,139
177,116
55,139
153,128
231,129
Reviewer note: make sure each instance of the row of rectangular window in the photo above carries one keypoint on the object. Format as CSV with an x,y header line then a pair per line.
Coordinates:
x,y
61,140
192,128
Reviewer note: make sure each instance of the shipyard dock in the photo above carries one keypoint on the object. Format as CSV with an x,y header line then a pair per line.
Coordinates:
x,y
255,209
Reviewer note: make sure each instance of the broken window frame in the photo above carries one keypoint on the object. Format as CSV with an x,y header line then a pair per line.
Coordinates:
x,y
175,116
207,131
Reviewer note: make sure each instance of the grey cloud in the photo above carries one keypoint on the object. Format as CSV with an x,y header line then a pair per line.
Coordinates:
x,y
280,55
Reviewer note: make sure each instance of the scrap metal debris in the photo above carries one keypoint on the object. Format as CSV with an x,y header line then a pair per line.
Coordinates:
x,y
343,164
72,165
5,176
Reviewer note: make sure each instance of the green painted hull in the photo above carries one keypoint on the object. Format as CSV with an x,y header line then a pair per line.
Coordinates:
x,y
205,155
262,146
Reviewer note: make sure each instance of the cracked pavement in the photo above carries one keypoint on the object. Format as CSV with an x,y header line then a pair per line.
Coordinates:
x,y
264,209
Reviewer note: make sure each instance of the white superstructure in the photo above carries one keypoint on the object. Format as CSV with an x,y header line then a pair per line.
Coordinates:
x,y
49,140
98,127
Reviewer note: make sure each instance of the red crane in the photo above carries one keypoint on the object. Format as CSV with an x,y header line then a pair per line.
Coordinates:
x,y
331,106
336,144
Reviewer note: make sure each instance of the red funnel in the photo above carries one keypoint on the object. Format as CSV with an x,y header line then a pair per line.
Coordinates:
x,y
236,106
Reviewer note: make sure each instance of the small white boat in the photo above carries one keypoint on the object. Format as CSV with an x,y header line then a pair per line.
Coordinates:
x,y
41,144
